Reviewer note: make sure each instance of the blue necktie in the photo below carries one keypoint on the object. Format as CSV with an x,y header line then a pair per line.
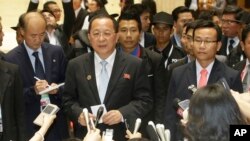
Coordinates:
x,y
39,71
104,80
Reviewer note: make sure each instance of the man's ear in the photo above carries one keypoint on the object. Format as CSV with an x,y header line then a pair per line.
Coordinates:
x,y
242,45
22,31
218,45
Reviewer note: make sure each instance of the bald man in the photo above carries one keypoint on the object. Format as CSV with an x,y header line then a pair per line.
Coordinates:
x,y
37,58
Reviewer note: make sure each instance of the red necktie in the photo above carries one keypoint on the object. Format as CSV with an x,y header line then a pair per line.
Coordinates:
x,y
203,78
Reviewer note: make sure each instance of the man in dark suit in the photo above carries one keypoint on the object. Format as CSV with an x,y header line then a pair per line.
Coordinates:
x,y
122,85
52,64
243,66
58,34
146,39
80,15
181,15
11,101
206,69
231,28
129,29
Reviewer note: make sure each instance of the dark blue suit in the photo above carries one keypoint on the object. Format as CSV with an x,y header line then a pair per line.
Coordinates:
x,y
55,65
184,76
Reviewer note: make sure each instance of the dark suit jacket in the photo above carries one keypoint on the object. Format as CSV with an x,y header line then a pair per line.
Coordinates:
x,y
130,94
12,103
155,72
240,65
184,76
78,23
174,42
235,56
55,66
149,39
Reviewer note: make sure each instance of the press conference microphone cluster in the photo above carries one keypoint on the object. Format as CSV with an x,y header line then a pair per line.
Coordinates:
x,y
99,115
158,132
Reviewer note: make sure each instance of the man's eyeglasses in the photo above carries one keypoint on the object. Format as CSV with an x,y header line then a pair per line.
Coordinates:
x,y
224,21
105,34
205,42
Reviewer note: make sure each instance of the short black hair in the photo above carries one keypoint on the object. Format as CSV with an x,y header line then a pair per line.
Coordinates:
x,y
138,8
46,4
208,24
130,16
103,16
179,10
233,9
245,32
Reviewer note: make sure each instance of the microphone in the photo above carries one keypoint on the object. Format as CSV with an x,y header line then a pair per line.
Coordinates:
x,y
99,114
137,125
167,135
192,88
160,131
151,130
86,116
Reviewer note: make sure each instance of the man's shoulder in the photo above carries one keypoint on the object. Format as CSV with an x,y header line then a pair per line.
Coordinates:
x,y
7,67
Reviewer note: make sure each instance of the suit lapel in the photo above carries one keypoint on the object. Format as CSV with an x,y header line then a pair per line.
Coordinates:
x,y
118,67
4,78
191,74
89,67
26,62
216,72
47,62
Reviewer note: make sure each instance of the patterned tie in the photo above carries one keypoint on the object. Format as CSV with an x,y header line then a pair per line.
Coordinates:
x,y
246,80
39,71
230,47
104,80
203,78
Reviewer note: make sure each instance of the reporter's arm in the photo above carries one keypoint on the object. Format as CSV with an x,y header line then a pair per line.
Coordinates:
x,y
47,121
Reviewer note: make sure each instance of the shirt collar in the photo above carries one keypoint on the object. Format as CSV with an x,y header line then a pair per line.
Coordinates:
x,y
30,51
110,59
208,68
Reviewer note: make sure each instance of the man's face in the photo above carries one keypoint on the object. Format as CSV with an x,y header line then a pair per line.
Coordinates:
x,y
77,4
189,45
162,33
245,45
184,39
230,27
50,19
182,19
129,34
34,32
102,37
92,6
205,44
1,34
145,21
56,11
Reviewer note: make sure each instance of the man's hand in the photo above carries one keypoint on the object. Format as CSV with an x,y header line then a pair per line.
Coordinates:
x,y
132,136
40,85
93,135
82,120
55,90
112,117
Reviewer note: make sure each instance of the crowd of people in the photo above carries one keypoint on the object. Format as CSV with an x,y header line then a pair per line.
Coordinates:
x,y
134,64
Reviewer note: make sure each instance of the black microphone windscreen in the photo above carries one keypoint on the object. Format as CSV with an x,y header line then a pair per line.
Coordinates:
x,y
152,134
